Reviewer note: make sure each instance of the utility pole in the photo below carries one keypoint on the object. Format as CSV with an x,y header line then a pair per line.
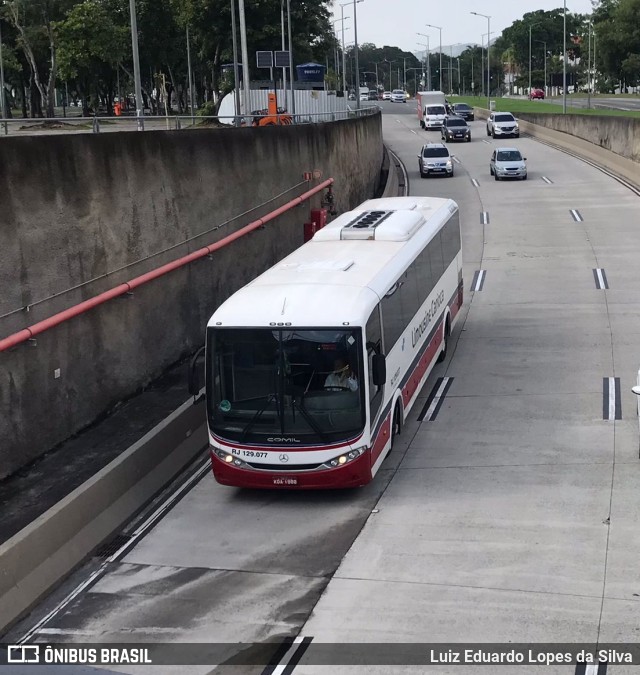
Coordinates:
x,y
2,92
440,29
136,66
190,75
245,59
293,97
589,70
284,46
564,61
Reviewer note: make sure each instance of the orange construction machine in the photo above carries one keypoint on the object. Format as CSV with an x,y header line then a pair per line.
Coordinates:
x,y
272,116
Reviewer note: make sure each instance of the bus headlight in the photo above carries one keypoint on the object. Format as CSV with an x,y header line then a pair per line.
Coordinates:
x,y
347,457
228,458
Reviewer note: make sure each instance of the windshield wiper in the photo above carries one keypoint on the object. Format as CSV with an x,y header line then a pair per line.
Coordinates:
x,y
269,399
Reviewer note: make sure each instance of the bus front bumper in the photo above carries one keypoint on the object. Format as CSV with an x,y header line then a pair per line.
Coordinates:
x,y
353,474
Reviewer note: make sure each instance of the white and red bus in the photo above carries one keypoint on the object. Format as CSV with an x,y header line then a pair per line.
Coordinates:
x,y
312,367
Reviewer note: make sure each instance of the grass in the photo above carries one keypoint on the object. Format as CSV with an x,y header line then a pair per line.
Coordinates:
x,y
517,105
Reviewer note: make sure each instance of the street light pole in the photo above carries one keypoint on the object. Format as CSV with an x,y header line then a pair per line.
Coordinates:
x,y
488,18
190,75
136,66
355,47
564,61
530,27
440,29
589,69
293,96
428,82
344,68
542,42
246,85
236,69
2,92
284,46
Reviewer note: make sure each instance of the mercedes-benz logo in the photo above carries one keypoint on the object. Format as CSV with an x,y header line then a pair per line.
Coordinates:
x,y
284,458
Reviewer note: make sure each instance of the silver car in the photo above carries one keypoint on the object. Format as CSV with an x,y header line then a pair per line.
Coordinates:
x,y
435,158
508,163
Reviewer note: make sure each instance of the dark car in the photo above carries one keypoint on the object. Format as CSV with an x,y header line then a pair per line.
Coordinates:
x,y
373,95
434,158
455,129
463,110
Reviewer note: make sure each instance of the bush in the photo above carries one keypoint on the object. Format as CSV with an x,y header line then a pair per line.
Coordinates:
x,y
209,109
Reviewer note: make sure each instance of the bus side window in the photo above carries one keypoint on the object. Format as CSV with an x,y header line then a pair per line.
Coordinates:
x,y
374,346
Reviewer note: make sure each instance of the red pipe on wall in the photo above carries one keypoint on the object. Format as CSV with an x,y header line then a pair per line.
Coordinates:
x,y
37,328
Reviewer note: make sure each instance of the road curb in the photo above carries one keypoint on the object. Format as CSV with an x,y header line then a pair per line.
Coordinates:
x,y
38,557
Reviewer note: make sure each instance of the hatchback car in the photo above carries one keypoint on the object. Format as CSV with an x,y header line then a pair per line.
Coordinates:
x,y
536,94
386,95
508,163
465,111
502,124
434,158
455,129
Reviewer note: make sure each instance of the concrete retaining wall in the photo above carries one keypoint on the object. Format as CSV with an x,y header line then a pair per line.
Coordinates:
x,y
77,207
621,135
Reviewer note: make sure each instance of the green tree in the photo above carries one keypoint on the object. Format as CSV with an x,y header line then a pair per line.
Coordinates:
x,y
90,46
35,21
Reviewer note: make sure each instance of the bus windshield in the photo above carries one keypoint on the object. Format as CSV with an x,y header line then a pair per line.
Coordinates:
x,y
286,385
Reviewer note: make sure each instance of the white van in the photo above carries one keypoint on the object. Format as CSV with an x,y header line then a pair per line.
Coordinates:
x,y
434,116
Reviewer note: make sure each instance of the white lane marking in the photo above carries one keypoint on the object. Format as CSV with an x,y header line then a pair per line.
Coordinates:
x,y
196,476
575,214
484,140
414,132
484,218
456,160
475,182
436,399
602,284
278,670
547,181
612,398
479,280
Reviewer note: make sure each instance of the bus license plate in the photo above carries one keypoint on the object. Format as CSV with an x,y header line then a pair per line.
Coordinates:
x,y
284,480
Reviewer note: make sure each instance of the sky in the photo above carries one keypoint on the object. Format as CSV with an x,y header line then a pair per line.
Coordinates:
x,y
395,22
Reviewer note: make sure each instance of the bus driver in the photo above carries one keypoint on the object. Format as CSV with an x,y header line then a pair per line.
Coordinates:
x,y
341,376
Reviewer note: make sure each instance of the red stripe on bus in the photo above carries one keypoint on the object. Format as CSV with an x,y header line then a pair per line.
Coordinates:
x,y
381,439
431,349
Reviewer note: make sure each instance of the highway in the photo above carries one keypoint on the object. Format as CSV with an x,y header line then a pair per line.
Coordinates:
x,y
510,517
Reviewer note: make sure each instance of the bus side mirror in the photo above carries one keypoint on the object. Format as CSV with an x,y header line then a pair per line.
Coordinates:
x,y
379,368
193,376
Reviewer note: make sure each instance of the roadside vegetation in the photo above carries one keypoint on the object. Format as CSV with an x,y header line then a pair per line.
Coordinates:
x,y
517,105
78,52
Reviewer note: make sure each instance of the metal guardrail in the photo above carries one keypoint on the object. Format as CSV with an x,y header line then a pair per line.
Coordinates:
x,y
97,124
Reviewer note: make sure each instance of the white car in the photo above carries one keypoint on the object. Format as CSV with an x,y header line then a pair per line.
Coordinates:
x,y
364,95
386,96
502,124
397,96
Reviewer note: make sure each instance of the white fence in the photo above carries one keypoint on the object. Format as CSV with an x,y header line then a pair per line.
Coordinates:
x,y
310,103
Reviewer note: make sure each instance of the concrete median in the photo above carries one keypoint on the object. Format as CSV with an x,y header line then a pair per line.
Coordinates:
x,y
38,557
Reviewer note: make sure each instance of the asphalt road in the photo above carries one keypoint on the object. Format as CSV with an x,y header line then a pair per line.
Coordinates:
x,y
512,517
